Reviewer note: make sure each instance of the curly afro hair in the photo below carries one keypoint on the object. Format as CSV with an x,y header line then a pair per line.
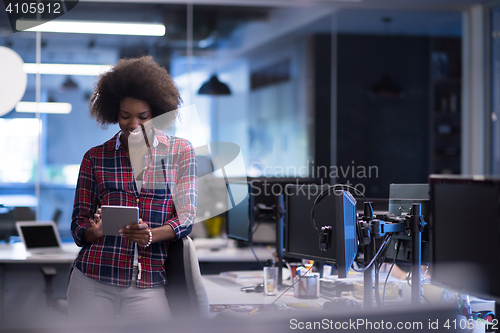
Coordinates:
x,y
139,78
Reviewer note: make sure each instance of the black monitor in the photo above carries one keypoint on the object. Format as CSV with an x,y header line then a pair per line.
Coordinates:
x,y
239,215
338,210
265,193
266,189
466,234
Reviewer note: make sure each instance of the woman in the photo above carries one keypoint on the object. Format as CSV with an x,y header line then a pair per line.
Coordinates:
x,y
141,167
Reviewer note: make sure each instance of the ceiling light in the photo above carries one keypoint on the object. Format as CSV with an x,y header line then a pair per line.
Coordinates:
x,y
93,27
66,69
214,87
48,107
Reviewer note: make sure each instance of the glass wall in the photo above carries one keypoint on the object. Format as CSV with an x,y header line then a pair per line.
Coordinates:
x,y
495,93
270,59
249,49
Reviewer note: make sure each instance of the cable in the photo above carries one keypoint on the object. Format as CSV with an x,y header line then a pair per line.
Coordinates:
x,y
332,188
255,255
256,227
377,291
322,195
371,262
383,247
250,242
390,270
408,279
378,265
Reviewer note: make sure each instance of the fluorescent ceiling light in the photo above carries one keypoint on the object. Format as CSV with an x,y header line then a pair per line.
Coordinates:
x,y
66,69
93,27
48,107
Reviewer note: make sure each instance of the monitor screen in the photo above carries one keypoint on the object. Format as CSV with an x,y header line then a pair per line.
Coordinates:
x,y
337,210
465,238
238,223
265,192
39,235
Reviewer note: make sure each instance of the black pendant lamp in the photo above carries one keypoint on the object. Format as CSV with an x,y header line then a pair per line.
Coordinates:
x,y
386,87
214,87
68,84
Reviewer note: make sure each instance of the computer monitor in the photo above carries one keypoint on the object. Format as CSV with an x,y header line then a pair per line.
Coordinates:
x,y
465,238
265,193
338,210
239,217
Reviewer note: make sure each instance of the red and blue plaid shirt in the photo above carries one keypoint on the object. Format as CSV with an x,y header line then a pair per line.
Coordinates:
x,y
168,196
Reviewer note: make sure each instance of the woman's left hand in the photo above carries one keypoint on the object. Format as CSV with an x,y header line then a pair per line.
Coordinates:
x,y
136,232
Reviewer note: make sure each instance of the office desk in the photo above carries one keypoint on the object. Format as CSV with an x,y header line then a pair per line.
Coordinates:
x,y
22,284
232,259
16,253
227,290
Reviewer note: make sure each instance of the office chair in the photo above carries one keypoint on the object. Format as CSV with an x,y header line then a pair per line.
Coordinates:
x,y
24,214
185,291
57,215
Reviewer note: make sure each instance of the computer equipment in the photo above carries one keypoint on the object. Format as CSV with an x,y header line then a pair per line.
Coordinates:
x,y
303,238
40,237
239,217
265,193
258,208
401,199
465,238
402,196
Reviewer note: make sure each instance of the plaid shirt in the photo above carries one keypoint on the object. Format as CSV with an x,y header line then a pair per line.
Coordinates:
x,y
168,196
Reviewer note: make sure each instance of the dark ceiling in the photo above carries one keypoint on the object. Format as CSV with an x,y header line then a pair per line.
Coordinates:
x,y
209,21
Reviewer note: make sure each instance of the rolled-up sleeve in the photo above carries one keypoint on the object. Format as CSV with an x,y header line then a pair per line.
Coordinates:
x,y
85,200
185,192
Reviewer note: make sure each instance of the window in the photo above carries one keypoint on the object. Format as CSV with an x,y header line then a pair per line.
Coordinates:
x,y
19,149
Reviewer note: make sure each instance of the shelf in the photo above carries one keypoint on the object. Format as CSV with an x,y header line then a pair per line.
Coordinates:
x,y
445,104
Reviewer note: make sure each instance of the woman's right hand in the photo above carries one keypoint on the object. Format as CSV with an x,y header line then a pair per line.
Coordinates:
x,y
96,223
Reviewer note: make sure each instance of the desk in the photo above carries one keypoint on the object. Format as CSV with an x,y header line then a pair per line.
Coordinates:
x,y
227,290
16,253
22,271
232,258
22,285
234,254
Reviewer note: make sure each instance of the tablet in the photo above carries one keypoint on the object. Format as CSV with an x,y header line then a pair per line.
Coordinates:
x,y
115,218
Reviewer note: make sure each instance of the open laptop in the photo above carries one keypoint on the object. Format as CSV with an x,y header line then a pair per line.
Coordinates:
x,y
40,237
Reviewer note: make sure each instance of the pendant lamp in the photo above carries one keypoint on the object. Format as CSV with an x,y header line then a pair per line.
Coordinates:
x,y
214,87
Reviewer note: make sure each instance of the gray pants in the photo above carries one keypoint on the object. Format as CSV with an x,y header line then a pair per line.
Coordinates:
x,y
104,303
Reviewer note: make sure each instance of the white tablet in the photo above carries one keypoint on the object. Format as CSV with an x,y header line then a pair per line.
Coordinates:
x,y
115,218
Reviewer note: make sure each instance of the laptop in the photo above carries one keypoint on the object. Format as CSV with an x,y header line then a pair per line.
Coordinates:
x,y
40,237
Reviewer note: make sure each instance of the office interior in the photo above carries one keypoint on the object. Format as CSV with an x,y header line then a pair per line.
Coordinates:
x,y
368,93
